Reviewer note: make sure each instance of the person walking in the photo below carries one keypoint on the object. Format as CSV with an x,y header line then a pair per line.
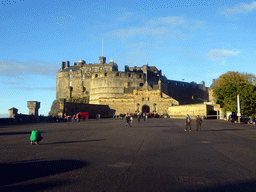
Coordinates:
x,y
188,123
138,117
78,118
73,118
198,123
35,137
128,121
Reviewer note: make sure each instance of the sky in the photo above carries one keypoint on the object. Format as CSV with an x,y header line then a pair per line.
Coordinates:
x,y
188,40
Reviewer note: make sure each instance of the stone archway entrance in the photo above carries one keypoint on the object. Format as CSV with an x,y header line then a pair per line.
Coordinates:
x,y
145,109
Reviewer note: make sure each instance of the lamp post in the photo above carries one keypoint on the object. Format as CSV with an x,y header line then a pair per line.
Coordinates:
x,y
238,109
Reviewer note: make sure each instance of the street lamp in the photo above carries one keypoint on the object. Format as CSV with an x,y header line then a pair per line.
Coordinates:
x,y
238,109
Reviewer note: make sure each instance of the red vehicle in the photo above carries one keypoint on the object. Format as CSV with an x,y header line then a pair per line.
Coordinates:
x,y
84,115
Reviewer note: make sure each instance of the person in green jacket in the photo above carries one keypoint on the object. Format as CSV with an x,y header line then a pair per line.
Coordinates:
x,y
35,137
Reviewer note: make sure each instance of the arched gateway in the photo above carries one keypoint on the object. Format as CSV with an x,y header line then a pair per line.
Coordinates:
x,y
145,109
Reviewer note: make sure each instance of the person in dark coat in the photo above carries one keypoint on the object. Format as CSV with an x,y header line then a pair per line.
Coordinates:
x,y
198,123
128,121
138,117
188,123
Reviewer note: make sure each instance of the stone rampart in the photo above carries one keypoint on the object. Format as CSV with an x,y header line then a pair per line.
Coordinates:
x,y
193,110
113,84
203,110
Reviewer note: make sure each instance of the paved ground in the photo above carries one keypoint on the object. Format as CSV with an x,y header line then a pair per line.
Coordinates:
x,y
103,155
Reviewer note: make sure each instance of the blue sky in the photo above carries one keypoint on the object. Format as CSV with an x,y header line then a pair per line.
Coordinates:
x,y
191,40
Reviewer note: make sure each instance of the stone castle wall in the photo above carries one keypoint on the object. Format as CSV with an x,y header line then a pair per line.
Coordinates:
x,y
112,84
124,91
134,103
203,110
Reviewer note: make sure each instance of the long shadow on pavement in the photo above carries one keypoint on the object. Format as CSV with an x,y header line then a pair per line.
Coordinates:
x,y
18,133
14,173
64,142
223,130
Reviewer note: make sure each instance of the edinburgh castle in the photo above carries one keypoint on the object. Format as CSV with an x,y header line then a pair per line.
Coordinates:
x,y
136,90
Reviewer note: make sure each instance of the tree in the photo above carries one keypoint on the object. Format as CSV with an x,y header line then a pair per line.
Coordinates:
x,y
229,85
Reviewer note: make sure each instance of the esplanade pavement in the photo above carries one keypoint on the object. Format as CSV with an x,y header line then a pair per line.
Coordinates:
x,y
153,155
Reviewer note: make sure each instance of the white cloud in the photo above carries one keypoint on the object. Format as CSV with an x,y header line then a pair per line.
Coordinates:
x,y
212,75
169,27
17,68
221,54
241,8
34,88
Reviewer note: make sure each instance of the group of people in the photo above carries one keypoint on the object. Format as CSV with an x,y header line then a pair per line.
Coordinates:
x,y
35,136
198,123
139,116
72,118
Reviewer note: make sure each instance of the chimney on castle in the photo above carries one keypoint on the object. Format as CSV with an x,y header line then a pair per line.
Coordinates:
x,y
102,60
68,64
62,65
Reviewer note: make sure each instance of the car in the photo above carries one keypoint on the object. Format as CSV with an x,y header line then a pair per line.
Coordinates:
x,y
233,118
244,119
252,120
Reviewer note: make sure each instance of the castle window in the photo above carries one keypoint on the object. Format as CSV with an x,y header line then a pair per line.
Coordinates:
x,y
70,70
83,77
129,75
148,98
106,74
142,98
117,74
70,83
85,70
140,76
70,76
96,75
106,69
82,83
95,70
176,84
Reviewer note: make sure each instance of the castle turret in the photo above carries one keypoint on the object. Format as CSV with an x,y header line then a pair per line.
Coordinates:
x,y
13,111
33,107
68,64
102,60
62,65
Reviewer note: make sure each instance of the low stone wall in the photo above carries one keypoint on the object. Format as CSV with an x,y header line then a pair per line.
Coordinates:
x,y
203,110
193,110
74,108
25,119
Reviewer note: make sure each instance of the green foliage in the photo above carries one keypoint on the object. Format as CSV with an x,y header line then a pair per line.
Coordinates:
x,y
229,85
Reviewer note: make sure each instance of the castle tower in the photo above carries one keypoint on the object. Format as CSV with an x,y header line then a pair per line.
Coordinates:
x,y
33,107
68,64
62,65
102,60
13,111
